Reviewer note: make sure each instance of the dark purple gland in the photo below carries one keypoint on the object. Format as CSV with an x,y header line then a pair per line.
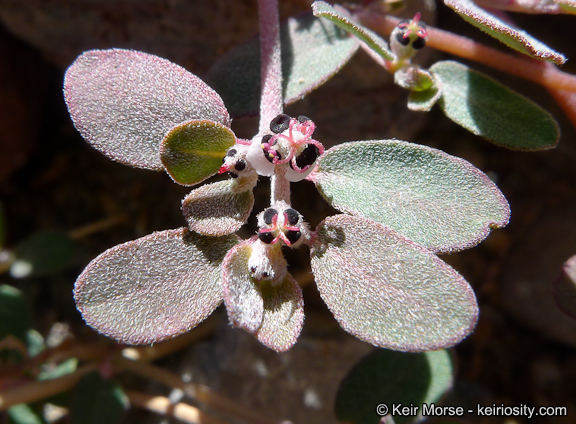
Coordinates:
x,y
401,39
302,119
240,165
292,216
269,215
307,157
233,175
266,140
293,236
266,237
280,124
231,152
419,43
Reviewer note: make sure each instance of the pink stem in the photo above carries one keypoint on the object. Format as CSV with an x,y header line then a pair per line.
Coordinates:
x,y
271,101
524,67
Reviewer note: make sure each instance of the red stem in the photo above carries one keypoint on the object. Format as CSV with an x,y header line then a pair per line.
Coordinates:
x,y
531,69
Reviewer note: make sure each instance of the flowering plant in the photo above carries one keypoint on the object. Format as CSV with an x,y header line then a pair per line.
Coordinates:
x,y
375,265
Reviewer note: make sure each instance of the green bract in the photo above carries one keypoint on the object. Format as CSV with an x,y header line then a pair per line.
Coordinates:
x,y
436,200
493,111
193,151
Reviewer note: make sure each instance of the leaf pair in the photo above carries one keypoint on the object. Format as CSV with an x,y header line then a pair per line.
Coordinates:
x,y
125,102
150,113
381,287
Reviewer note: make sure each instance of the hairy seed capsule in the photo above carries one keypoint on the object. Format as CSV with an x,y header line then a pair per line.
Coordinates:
x,y
293,236
269,214
280,123
266,237
292,216
308,156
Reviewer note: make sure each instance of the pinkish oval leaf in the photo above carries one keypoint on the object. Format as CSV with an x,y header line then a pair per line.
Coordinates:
x,y
220,208
436,200
193,151
271,310
153,288
387,290
123,102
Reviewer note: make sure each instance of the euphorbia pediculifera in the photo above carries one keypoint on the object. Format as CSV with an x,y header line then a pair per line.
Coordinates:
x,y
381,286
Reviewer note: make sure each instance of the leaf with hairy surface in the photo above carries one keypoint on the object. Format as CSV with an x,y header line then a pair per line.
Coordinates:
x,y
193,150
387,290
123,102
439,201
513,37
272,311
492,111
153,288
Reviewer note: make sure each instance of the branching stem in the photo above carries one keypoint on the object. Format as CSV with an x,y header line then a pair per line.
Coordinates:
x,y
531,69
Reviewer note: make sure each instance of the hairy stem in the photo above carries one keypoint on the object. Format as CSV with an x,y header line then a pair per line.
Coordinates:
x,y
271,101
531,69
279,186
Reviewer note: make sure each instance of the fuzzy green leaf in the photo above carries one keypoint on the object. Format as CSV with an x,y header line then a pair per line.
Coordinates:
x,y
312,51
387,290
368,37
219,208
96,401
123,102
391,378
493,111
565,288
439,201
423,101
42,253
153,288
513,37
193,151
